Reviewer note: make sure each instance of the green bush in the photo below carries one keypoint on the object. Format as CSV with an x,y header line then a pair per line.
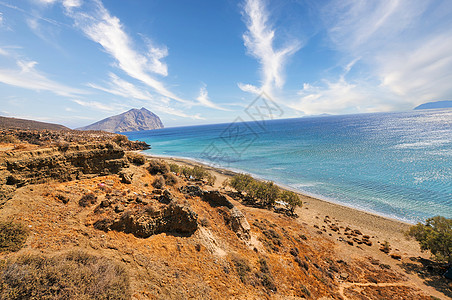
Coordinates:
x,y
198,173
240,181
265,192
435,235
174,168
75,275
292,199
12,236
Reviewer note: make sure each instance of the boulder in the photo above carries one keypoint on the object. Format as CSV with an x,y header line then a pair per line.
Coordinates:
x,y
239,224
173,218
216,199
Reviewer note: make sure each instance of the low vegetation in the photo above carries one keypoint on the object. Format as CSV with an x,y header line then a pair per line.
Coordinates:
x,y
12,236
436,236
195,173
264,193
75,275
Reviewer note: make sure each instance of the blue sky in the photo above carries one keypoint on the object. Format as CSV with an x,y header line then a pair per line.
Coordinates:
x,y
74,62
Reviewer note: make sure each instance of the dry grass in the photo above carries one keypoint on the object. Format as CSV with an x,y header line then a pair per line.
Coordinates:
x,y
12,236
75,275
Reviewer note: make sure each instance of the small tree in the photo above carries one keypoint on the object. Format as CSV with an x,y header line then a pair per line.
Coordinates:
x,y
240,181
435,235
292,199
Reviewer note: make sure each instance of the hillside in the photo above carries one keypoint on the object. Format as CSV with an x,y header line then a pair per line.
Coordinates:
x,y
132,120
434,105
139,231
13,123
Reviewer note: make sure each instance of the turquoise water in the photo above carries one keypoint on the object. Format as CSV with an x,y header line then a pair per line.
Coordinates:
x,y
397,165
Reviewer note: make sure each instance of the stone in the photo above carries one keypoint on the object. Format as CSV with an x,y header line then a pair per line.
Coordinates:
x,y
216,199
239,224
126,177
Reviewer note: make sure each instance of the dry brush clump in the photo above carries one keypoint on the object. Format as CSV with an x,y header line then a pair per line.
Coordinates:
x,y
74,275
12,236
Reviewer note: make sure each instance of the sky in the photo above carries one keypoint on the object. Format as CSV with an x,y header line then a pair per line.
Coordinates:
x,y
74,62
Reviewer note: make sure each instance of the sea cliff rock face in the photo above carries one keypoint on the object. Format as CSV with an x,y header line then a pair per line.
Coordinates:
x,y
19,168
132,120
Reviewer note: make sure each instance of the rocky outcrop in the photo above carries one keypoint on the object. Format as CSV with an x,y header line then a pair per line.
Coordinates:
x,y
18,168
216,199
239,224
173,218
132,120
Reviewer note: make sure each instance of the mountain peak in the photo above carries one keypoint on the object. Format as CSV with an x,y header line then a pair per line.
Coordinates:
x,y
131,120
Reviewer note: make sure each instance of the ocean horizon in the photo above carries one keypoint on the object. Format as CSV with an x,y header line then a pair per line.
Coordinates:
x,y
397,165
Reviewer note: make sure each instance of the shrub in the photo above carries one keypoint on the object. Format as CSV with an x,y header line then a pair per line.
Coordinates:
x,y
264,192
435,235
159,182
158,167
75,275
292,199
240,181
242,268
170,178
12,236
87,200
9,139
198,173
136,159
211,179
174,168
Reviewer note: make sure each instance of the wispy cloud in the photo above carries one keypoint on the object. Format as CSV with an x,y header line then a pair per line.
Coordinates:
x,y
123,88
26,76
404,53
204,100
100,106
259,41
107,30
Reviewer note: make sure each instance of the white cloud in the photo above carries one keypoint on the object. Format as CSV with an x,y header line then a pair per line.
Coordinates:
x,y
404,53
120,87
204,100
107,30
69,4
26,76
99,106
259,41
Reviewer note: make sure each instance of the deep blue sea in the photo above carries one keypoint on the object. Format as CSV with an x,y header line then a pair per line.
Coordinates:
x,y
397,165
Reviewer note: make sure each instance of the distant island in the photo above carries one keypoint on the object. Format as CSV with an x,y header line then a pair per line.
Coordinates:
x,y
435,104
132,120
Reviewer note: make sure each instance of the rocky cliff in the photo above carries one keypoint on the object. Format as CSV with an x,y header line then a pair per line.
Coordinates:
x,y
64,163
132,120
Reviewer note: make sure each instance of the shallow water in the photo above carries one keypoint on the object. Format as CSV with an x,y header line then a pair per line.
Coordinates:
x,y
397,165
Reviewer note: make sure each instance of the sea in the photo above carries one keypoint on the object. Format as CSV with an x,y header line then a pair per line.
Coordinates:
x,y
397,165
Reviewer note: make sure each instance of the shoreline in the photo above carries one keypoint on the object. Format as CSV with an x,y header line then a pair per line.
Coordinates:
x,y
317,207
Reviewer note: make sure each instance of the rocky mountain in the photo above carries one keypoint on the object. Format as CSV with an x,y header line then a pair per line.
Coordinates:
x,y
13,123
132,120
433,105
